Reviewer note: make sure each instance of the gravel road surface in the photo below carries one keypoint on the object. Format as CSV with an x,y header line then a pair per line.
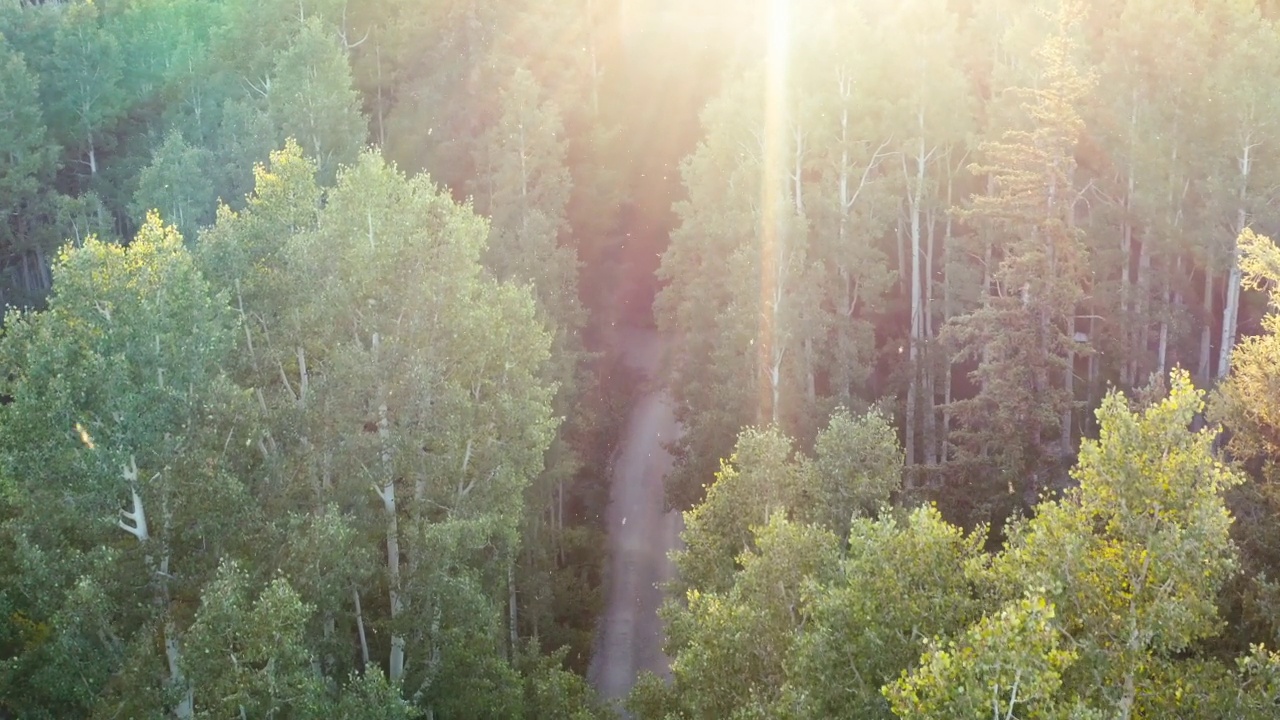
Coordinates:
x,y
630,637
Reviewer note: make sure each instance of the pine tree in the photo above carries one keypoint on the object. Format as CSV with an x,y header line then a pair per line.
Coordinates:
x,y
1021,420
27,166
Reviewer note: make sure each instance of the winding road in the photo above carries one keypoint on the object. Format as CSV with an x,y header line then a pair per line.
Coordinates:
x,y
629,640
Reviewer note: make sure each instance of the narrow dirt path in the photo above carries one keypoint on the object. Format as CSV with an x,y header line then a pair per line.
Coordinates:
x,y
640,534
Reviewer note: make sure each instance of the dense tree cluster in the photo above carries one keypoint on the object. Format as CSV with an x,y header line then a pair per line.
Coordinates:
x,y
308,400
994,219
985,213
350,415
322,421
1104,604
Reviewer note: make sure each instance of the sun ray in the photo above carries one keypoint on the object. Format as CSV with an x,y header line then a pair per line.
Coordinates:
x,y
772,217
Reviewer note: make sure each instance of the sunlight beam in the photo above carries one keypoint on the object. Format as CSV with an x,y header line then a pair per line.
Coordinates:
x,y
772,216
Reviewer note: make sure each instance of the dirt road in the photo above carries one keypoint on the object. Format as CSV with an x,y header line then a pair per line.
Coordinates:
x,y
640,535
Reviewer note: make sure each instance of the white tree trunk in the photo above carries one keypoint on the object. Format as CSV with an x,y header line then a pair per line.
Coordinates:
x,y
1231,308
930,396
173,653
387,492
914,198
364,642
139,515
172,648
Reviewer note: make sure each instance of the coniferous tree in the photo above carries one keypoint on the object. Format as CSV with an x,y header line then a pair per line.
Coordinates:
x,y
1021,419
27,166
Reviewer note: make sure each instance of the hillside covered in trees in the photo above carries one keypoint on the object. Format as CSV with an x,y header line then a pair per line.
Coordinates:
x,y
313,370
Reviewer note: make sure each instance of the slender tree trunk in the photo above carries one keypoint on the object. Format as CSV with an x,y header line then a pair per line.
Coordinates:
x,y
775,382
1126,293
1069,390
560,520
1128,697
364,642
382,130
1204,370
1143,309
811,383
136,526
987,276
900,232
1162,347
797,173
775,211
173,653
944,450
1231,308
909,432
1170,299
172,639
850,298
917,321
594,57
1172,308
42,270
513,627
930,362
1128,364
388,494
1093,366
986,302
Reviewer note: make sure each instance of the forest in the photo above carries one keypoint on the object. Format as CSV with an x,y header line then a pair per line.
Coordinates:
x,y
317,311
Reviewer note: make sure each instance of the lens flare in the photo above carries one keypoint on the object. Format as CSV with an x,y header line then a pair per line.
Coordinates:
x,y
772,217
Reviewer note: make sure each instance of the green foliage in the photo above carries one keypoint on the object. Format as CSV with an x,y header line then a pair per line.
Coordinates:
x,y
1095,605
340,326
761,479
1023,336
245,654
523,186
178,184
28,161
28,157
1135,556
114,378
858,465
857,468
82,89
732,646
550,692
899,585
121,397
310,98
1006,664
1242,404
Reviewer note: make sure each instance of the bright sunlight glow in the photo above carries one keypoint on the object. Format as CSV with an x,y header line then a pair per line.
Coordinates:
x,y
773,230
